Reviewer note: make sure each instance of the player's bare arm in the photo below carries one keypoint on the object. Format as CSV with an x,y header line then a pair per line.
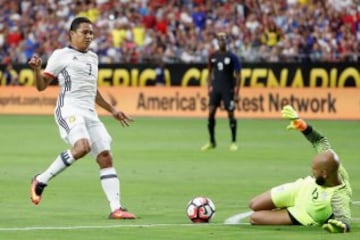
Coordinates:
x,y
111,108
41,81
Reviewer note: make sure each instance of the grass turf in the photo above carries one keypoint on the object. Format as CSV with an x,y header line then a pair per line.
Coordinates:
x,y
161,169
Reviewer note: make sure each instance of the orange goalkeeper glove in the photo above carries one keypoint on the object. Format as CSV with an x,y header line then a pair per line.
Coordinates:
x,y
296,123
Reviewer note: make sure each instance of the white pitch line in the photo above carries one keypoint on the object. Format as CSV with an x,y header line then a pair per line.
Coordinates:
x,y
41,228
105,226
236,219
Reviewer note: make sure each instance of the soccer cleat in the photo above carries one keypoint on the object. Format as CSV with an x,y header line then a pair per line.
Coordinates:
x,y
121,213
233,147
208,146
36,190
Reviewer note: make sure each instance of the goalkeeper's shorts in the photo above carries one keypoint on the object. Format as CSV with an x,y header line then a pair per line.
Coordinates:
x,y
298,198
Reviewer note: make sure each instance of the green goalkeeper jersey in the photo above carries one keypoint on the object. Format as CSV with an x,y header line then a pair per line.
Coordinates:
x,y
341,194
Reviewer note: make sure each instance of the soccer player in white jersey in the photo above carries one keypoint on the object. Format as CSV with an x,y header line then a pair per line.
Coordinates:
x,y
76,68
322,199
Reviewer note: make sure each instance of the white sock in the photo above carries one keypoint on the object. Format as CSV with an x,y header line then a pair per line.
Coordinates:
x,y
62,161
111,186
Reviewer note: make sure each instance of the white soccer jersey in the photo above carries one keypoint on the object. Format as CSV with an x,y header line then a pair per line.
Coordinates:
x,y
77,73
75,112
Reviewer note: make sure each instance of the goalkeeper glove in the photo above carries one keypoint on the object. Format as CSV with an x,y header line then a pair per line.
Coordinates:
x,y
296,123
336,226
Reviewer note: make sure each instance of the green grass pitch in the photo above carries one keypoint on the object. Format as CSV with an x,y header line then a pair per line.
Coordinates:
x,y
161,169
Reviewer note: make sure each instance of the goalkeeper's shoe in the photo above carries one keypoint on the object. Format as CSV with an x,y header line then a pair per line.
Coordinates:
x,y
121,213
233,147
36,190
336,226
208,146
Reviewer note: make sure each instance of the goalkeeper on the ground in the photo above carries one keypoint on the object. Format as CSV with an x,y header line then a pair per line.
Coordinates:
x,y
322,199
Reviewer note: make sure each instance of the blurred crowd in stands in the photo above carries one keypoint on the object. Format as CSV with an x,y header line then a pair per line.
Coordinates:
x,y
174,31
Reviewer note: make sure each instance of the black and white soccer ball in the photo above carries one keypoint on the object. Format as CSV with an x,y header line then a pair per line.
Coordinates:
x,y
200,210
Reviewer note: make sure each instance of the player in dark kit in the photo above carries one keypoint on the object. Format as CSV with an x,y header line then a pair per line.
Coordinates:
x,y
223,85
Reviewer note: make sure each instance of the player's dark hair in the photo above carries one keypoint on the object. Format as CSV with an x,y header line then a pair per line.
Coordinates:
x,y
77,21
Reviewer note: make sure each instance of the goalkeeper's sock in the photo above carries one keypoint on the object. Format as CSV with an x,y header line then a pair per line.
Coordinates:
x,y
64,160
111,185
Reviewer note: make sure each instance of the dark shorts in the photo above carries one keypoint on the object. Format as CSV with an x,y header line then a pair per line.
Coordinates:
x,y
293,219
226,96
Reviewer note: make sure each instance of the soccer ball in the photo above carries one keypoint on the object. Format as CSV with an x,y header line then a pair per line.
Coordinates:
x,y
200,210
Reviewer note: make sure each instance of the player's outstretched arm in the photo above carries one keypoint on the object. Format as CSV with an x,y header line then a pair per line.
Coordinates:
x,y
319,141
